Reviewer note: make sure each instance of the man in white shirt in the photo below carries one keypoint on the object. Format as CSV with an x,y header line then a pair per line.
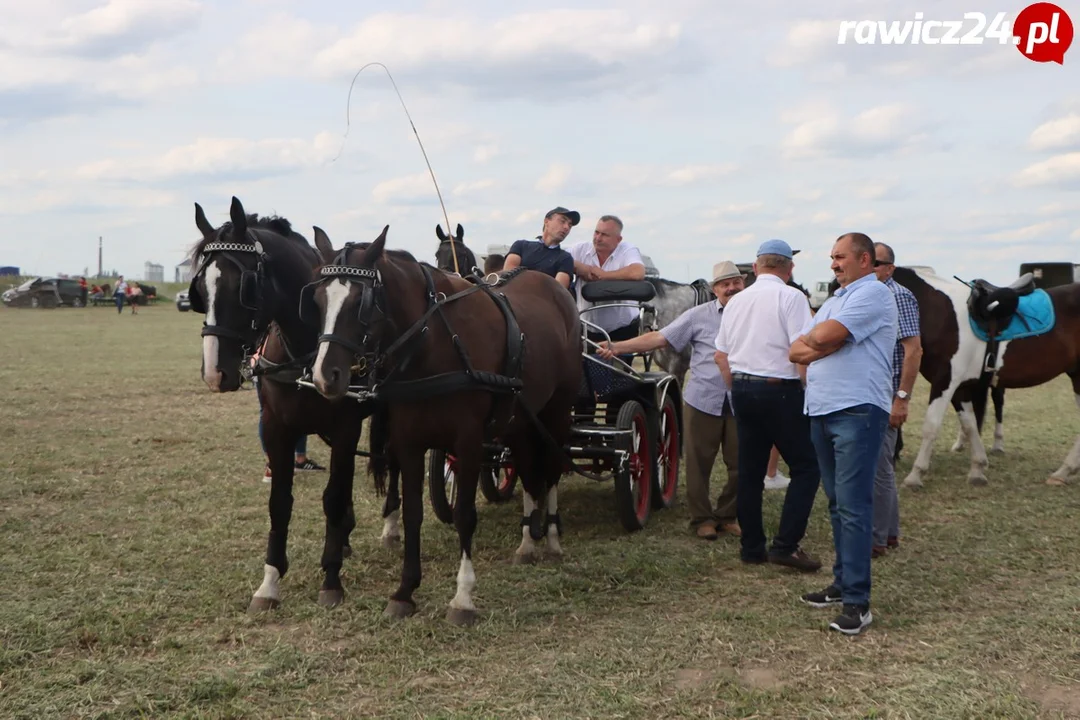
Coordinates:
x,y
756,331
608,257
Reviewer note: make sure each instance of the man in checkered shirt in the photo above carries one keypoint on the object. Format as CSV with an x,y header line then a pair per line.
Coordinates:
x,y
906,358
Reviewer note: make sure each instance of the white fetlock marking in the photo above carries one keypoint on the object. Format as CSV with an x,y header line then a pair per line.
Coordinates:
x,y
527,547
1072,460
391,528
270,585
466,581
978,450
553,531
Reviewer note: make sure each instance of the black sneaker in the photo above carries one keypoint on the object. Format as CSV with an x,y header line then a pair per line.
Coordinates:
x,y
308,464
800,560
823,598
853,620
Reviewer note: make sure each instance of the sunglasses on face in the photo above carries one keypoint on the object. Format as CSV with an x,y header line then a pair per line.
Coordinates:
x,y
879,263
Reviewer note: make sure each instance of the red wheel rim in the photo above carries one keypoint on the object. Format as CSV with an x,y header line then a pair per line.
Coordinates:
x,y
506,478
639,467
669,452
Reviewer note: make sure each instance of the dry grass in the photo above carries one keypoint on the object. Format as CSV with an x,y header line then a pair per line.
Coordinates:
x,y
132,531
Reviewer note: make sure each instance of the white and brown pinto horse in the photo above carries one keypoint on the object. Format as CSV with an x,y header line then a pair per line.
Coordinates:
x,y
954,357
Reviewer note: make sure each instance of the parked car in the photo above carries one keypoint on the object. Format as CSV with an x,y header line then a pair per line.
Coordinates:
x,y
45,292
182,302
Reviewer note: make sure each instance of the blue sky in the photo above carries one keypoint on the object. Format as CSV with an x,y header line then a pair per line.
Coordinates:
x,y
706,127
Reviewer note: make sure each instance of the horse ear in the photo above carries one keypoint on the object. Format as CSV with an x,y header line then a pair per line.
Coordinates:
x,y
460,233
202,223
375,250
239,218
322,244
440,234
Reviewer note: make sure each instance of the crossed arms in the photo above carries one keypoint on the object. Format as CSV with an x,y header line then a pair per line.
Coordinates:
x,y
822,340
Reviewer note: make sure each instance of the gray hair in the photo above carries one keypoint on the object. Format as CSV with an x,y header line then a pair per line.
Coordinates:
x,y
612,218
890,255
775,262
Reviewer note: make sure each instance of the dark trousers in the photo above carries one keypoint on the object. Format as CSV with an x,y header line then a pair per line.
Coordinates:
x,y
768,414
626,332
119,298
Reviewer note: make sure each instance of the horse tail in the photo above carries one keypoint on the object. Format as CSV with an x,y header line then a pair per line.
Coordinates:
x,y
378,439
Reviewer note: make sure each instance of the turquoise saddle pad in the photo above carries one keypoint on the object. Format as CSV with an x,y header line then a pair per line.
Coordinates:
x,y
1034,316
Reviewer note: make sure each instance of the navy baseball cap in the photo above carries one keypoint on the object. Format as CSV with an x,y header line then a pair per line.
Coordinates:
x,y
573,215
776,247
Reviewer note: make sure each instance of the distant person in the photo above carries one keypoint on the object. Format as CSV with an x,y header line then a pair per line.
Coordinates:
x,y
119,293
134,292
83,292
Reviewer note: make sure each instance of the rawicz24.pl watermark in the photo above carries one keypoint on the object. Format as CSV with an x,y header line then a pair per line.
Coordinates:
x,y
1041,32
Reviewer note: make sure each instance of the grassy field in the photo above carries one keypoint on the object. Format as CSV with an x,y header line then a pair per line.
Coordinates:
x,y
132,533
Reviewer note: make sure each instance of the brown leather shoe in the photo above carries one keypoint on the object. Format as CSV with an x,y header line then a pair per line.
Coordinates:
x,y
731,528
707,530
878,551
800,560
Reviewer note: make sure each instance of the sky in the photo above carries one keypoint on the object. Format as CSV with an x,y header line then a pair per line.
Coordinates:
x,y
706,127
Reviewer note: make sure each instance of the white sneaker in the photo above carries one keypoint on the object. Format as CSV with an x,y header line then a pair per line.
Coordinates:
x,y
777,482
266,475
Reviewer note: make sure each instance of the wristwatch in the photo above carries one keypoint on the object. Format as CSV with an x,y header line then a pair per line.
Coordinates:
x,y
902,395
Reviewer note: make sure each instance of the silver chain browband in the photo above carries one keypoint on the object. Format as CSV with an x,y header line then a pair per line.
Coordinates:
x,y
336,270
228,247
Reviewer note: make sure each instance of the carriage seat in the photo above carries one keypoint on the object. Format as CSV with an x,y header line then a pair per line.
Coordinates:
x,y
600,291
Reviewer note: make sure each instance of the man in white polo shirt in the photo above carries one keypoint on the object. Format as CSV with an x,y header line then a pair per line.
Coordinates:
x,y
756,331
608,257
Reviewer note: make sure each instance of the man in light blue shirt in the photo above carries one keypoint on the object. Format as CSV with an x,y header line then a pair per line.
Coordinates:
x,y
849,354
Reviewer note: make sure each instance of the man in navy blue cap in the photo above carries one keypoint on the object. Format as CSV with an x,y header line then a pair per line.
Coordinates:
x,y
545,253
756,332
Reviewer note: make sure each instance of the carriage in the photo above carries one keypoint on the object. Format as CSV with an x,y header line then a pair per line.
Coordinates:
x,y
627,426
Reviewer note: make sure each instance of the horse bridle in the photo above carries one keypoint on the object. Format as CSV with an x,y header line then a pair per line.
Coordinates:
x,y
250,291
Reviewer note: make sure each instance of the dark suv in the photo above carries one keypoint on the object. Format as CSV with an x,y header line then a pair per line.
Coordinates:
x,y
45,292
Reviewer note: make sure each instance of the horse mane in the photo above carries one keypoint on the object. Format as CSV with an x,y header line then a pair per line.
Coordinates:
x,y
272,223
663,286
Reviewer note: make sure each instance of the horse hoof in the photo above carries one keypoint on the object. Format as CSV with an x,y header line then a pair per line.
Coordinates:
x,y
399,610
331,598
554,557
262,604
977,480
346,552
1055,481
461,617
912,482
996,450
521,558
391,541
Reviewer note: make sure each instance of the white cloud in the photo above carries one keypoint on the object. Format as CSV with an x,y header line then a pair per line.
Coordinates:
x,y
1059,170
823,131
1036,231
550,53
697,174
1060,134
1075,234
733,210
472,188
484,153
404,189
554,179
218,157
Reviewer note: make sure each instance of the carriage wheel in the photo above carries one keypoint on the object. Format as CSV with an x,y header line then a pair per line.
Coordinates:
x,y
666,478
634,482
498,482
442,485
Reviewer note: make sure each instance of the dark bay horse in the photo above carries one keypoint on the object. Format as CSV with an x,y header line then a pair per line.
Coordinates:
x,y
248,277
448,246
953,358
457,364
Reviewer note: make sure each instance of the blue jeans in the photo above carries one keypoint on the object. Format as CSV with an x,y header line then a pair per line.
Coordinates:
x,y
301,444
848,444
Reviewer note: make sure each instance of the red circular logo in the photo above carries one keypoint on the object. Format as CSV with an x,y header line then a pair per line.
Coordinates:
x,y
1043,32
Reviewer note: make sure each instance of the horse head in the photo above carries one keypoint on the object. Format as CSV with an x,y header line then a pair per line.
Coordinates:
x,y
234,285
348,302
449,245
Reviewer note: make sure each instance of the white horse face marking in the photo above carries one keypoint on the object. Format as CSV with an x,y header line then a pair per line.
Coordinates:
x,y
337,292
211,347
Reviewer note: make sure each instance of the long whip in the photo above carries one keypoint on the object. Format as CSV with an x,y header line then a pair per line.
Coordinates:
x,y
348,104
